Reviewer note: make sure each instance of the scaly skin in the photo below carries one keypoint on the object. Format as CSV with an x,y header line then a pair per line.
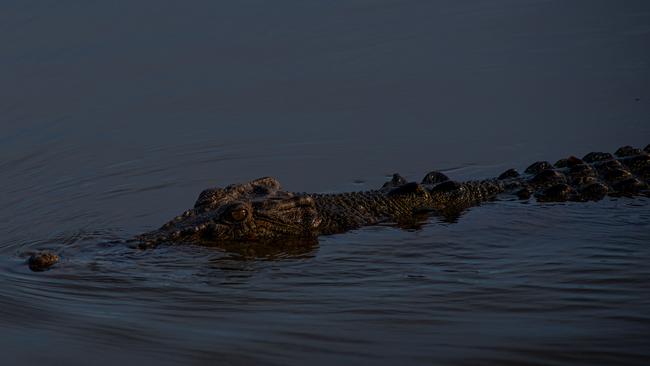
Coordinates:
x,y
260,212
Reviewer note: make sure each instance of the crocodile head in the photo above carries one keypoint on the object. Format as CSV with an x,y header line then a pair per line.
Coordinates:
x,y
257,211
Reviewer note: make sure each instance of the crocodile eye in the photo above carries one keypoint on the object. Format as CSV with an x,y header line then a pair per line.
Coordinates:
x,y
239,214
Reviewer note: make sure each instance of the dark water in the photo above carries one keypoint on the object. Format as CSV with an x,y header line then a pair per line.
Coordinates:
x,y
115,115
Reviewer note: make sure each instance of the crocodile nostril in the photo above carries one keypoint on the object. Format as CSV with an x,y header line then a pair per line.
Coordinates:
x,y
42,260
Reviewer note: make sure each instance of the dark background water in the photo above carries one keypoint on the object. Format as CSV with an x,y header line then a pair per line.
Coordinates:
x,y
115,115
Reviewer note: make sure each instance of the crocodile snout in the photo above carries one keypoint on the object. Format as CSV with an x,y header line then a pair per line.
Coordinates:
x,y
42,261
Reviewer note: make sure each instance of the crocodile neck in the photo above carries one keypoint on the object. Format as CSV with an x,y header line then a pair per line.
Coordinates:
x,y
346,211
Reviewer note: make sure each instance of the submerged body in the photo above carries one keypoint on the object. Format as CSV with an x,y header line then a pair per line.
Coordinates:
x,y
260,212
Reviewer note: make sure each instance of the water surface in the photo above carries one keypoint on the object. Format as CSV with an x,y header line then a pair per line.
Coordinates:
x,y
116,115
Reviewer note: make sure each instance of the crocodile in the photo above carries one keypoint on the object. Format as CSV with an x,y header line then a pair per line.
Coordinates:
x,y
259,211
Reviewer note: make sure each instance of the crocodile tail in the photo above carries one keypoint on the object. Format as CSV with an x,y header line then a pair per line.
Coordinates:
x,y
592,178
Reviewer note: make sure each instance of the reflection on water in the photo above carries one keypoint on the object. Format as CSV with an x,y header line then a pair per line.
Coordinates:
x,y
507,283
116,115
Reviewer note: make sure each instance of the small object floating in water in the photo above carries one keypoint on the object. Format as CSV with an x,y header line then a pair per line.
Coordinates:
x,y
42,261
